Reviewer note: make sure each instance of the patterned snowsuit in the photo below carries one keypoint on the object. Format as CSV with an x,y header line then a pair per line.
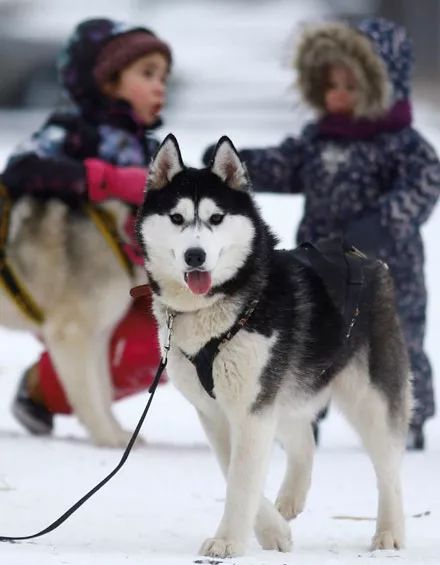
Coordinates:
x,y
375,188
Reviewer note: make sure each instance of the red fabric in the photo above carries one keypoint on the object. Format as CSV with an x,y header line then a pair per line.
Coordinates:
x,y
105,181
134,357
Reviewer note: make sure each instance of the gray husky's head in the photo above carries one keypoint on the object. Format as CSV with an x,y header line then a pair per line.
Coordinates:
x,y
198,227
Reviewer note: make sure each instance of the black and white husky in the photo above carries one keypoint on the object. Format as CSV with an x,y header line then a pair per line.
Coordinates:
x,y
259,347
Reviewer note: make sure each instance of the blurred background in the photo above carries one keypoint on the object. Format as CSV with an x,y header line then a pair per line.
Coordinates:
x,y
231,72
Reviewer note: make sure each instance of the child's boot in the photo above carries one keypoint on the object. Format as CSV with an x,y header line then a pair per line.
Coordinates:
x,y
28,405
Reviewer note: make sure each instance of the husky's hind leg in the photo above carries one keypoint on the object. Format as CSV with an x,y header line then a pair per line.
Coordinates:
x,y
382,429
271,530
80,358
296,437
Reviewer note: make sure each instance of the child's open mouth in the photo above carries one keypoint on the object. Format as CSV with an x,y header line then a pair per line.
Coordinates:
x,y
156,109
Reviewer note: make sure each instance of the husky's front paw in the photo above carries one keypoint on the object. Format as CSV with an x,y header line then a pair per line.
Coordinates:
x,y
290,506
386,540
219,547
274,535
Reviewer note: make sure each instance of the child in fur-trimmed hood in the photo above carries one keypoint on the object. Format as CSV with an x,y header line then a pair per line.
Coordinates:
x,y
365,172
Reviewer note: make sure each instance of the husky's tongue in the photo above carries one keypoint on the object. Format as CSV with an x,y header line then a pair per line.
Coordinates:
x,y
199,282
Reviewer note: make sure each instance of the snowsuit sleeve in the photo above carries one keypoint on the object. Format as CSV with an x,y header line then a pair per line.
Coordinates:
x,y
42,166
415,187
51,162
275,169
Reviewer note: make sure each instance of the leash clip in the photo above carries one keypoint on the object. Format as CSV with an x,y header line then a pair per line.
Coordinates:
x,y
167,346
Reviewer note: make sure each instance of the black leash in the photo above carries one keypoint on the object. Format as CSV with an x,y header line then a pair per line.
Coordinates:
x,y
105,480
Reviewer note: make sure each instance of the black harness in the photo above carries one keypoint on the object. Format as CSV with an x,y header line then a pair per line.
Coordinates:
x,y
341,270
204,358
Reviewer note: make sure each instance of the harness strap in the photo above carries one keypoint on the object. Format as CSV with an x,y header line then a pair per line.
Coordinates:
x,y
17,292
9,281
355,282
204,358
341,269
106,225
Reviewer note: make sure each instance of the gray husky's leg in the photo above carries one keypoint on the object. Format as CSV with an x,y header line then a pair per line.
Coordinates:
x,y
271,529
296,437
80,360
383,435
251,441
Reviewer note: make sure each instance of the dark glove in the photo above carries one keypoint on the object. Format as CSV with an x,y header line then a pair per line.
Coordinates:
x,y
207,155
368,234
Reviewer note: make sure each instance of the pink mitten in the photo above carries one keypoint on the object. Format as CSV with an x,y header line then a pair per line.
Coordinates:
x,y
106,181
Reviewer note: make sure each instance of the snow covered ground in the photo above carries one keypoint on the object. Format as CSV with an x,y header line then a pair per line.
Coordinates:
x,y
170,494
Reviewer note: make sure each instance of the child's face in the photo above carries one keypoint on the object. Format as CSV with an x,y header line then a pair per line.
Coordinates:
x,y
341,94
143,85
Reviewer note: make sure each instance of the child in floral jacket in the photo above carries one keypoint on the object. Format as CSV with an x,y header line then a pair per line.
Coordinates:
x,y
365,172
115,76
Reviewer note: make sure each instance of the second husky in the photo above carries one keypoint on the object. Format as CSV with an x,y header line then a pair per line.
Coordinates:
x,y
78,282
260,345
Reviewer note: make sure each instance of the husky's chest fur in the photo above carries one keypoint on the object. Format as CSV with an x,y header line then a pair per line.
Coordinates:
x,y
238,363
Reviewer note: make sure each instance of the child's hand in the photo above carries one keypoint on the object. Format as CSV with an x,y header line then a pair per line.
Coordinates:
x,y
107,181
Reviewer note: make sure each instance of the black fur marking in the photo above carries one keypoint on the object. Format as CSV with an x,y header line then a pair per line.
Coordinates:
x,y
155,287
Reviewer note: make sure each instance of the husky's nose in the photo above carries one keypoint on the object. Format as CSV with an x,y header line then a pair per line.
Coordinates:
x,y
195,257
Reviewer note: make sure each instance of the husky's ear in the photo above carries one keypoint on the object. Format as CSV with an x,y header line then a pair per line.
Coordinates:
x,y
226,164
166,164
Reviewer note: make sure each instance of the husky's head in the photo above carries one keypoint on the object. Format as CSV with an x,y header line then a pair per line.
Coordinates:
x,y
198,227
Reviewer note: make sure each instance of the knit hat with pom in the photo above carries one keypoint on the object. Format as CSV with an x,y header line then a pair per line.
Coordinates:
x,y
96,51
123,50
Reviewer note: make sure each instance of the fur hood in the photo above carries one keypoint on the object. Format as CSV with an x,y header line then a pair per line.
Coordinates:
x,y
378,52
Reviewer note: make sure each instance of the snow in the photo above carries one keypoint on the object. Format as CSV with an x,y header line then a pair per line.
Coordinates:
x,y
170,494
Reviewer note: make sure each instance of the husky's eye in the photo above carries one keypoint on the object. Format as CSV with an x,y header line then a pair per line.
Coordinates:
x,y
216,219
177,219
